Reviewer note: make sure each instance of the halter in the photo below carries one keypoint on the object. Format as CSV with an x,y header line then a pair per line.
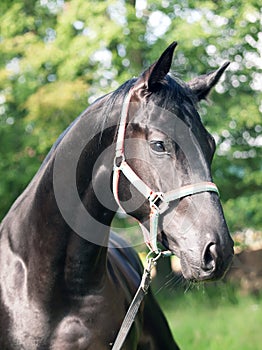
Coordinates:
x,y
158,201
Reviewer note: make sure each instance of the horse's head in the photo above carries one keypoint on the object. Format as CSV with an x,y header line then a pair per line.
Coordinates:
x,y
167,146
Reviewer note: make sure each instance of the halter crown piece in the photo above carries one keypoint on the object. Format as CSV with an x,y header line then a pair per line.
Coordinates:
x,y
158,201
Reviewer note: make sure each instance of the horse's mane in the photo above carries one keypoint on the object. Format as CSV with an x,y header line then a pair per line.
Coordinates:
x,y
172,91
172,94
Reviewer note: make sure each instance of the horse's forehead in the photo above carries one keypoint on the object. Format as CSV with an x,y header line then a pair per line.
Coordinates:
x,y
170,119
180,123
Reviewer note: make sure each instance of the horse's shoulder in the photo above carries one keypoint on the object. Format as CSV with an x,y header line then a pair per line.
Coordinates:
x,y
87,323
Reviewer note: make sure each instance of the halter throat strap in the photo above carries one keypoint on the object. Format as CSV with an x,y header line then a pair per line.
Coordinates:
x,y
158,201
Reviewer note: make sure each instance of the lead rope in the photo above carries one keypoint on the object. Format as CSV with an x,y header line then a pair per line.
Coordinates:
x,y
134,306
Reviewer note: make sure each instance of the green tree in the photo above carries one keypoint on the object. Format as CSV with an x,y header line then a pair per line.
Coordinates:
x,y
58,56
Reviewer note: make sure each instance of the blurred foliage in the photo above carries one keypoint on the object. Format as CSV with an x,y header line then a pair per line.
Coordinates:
x,y
58,56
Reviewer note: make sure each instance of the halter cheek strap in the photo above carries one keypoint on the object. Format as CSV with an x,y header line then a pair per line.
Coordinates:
x,y
158,201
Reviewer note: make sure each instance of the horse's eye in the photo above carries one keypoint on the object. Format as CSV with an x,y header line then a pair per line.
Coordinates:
x,y
158,146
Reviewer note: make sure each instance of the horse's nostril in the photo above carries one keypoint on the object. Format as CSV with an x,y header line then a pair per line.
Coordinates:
x,y
209,257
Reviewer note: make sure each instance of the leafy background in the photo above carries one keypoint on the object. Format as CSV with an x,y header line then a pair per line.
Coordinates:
x,y
58,56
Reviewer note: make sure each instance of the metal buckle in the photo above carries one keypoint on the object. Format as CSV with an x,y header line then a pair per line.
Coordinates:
x,y
158,202
155,200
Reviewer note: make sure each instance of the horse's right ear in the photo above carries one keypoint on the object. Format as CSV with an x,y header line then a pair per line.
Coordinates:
x,y
157,72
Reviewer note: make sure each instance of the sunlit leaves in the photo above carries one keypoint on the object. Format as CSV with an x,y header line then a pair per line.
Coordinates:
x,y
56,104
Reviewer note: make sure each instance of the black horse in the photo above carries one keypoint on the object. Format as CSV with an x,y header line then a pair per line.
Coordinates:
x,y
64,283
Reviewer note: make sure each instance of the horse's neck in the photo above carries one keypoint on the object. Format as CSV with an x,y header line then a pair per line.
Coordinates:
x,y
51,248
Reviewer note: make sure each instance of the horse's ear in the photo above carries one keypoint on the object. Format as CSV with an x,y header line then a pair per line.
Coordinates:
x,y
202,85
157,72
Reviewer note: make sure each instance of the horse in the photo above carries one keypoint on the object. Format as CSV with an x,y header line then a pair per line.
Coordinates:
x,y
65,281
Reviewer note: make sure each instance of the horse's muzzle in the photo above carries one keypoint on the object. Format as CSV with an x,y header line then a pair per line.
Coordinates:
x,y
214,263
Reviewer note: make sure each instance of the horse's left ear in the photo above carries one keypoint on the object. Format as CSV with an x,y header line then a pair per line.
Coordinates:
x,y
157,72
202,85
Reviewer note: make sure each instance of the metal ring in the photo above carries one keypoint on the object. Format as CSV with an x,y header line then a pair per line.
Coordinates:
x,y
118,161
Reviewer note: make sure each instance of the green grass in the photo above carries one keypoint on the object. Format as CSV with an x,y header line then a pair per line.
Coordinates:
x,y
215,318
